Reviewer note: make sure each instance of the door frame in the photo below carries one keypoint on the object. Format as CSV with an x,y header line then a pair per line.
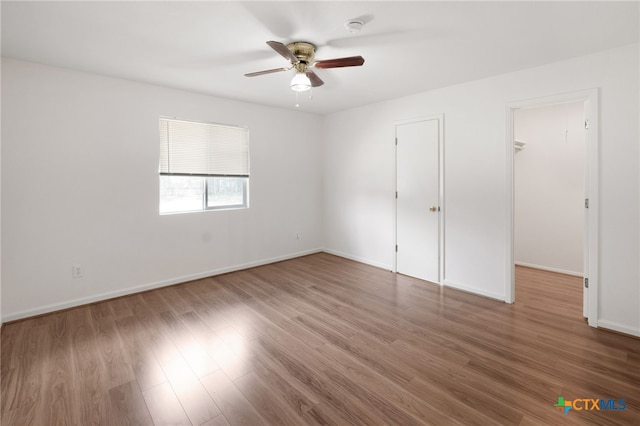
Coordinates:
x,y
440,119
590,98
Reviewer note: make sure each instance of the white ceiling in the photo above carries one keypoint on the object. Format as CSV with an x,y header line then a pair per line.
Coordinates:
x,y
409,47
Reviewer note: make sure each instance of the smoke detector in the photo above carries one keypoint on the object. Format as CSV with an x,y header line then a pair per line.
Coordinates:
x,y
353,25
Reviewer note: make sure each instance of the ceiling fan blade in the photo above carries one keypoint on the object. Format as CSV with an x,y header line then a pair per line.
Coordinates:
x,y
351,61
257,73
283,51
315,80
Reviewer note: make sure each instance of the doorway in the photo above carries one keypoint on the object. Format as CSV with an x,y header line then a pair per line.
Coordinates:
x,y
583,257
549,188
419,198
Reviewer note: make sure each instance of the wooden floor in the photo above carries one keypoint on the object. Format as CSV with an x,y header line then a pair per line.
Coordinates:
x,y
319,340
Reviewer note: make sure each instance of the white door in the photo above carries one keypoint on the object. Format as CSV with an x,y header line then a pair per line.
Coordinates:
x,y
418,194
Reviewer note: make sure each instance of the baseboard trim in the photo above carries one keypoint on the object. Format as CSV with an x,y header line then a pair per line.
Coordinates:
x,y
359,259
55,307
609,325
550,269
473,290
448,283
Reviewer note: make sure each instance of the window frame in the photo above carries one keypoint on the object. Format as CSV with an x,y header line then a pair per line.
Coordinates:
x,y
245,195
244,178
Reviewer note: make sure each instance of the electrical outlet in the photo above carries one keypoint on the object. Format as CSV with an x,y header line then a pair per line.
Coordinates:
x,y
77,271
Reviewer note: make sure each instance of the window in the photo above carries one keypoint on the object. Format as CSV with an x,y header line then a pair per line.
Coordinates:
x,y
203,166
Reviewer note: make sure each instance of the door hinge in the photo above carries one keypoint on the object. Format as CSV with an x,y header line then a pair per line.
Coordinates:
x,y
396,141
586,203
586,283
396,248
586,124
396,194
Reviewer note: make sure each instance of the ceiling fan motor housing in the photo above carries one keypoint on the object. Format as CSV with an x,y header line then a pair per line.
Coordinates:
x,y
303,51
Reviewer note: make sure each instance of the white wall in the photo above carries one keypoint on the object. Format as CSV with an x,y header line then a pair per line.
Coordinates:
x,y
359,176
80,186
549,185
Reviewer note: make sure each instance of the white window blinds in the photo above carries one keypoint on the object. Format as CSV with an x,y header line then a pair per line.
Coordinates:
x,y
190,148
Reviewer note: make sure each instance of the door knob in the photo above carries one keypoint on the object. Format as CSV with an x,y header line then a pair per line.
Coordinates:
x,y
433,209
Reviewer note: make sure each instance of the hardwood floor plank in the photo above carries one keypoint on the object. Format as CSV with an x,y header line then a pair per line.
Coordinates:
x,y
440,373
12,336
150,303
119,308
128,406
506,395
323,415
92,373
452,406
386,411
233,361
109,345
234,285
136,343
61,395
217,421
195,400
351,316
310,375
271,406
235,407
268,313
297,396
260,288
164,407
388,389
596,381
182,380
370,351
10,391
174,298
192,351
23,394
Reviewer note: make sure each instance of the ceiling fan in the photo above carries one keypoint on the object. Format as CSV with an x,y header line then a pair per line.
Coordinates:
x,y
300,54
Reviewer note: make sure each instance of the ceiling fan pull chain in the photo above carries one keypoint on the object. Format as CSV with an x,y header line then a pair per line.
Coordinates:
x,y
297,100
311,93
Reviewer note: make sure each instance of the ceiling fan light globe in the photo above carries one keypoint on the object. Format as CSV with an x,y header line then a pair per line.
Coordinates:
x,y
300,82
300,88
